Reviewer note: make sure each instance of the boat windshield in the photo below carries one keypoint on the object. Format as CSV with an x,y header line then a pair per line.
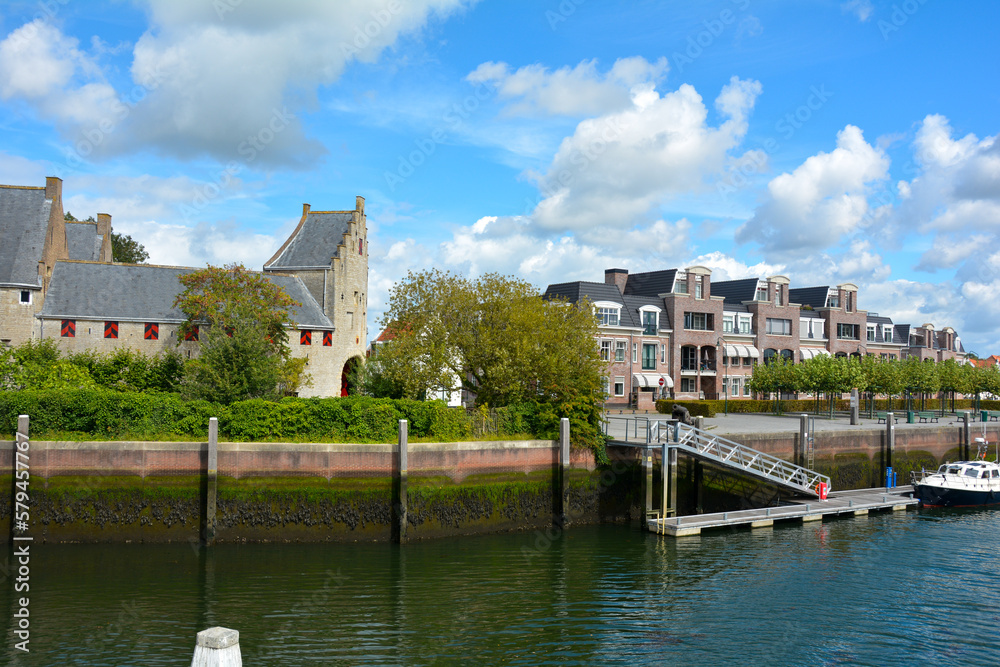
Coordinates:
x,y
971,472
954,471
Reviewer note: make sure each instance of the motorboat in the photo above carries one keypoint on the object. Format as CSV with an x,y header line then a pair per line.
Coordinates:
x,y
959,484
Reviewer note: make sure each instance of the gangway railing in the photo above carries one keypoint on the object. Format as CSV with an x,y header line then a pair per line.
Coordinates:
x,y
733,455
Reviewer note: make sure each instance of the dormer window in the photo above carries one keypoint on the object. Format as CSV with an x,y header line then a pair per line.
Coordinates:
x,y
608,314
649,323
833,300
777,296
681,283
698,288
26,296
761,294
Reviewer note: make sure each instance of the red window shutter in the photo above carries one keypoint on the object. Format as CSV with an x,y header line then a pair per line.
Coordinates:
x,y
152,331
327,338
361,246
305,338
68,329
192,334
111,330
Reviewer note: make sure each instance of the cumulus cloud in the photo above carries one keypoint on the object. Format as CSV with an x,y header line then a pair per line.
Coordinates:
x,y
822,201
579,90
616,167
210,78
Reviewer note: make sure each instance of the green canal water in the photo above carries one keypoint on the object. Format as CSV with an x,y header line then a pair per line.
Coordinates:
x,y
889,589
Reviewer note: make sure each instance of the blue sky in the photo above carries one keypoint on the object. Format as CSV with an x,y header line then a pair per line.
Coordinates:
x,y
829,141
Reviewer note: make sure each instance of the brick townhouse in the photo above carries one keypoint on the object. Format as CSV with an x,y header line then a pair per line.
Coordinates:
x,y
675,333
58,281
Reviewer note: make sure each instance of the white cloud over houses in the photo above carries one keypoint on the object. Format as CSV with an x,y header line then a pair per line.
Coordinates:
x,y
223,79
615,168
824,200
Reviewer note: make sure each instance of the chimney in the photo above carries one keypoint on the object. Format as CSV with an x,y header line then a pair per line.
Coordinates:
x,y
103,224
359,204
305,210
616,277
53,189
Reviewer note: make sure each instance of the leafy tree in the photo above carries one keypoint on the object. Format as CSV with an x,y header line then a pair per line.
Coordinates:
x,y
242,318
495,337
129,370
920,377
126,250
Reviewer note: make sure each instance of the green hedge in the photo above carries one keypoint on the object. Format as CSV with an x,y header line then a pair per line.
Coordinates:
x,y
751,406
110,415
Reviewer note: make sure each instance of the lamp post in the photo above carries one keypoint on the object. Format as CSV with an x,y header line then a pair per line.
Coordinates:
x,y
725,382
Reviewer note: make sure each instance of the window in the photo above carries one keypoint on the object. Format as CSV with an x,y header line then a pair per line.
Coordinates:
x,y
699,288
151,331
748,361
776,327
648,357
736,387
620,350
769,355
26,296
361,246
746,324
833,301
619,386
663,353
746,388
687,384
605,386
635,353
68,329
689,358
850,301
605,350
192,334
649,323
777,296
848,331
727,323
608,317
681,284
871,332
761,293
698,321
111,330
305,337
327,339
887,334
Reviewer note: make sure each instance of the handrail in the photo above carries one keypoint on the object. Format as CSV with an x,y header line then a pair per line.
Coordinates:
x,y
733,454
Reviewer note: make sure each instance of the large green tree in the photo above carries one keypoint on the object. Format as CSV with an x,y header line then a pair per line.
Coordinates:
x,y
127,250
241,319
496,337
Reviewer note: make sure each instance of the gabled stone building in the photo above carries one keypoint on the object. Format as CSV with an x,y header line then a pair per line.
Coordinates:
x,y
58,281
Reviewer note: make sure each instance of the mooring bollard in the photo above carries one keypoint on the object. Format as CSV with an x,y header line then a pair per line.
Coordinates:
x,y
399,503
217,647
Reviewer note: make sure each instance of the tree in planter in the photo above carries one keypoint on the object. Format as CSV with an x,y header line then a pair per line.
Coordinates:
x,y
241,319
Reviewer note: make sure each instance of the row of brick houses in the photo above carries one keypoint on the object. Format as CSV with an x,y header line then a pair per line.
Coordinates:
x,y
675,333
58,281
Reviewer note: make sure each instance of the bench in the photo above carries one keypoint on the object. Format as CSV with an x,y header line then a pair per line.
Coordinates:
x,y
926,416
882,416
991,415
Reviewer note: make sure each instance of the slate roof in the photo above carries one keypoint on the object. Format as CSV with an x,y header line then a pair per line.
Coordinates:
x,y
24,221
577,291
314,242
809,296
736,291
83,242
145,293
901,334
651,283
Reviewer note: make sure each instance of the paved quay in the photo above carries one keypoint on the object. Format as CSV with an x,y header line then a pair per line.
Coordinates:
x,y
723,424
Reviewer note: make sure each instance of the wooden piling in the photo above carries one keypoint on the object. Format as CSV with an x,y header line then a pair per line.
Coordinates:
x,y
217,647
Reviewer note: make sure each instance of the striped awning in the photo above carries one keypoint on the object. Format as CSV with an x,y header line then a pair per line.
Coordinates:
x,y
812,352
737,351
651,380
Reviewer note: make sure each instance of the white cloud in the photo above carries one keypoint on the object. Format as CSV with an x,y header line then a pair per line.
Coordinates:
x,y
726,267
821,202
863,9
579,90
615,168
210,78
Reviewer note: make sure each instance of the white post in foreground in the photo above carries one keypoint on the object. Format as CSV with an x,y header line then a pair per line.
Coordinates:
x,y
217,647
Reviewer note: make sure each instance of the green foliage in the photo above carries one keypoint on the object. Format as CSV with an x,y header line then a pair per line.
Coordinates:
x,y
129,370
237,367
126,250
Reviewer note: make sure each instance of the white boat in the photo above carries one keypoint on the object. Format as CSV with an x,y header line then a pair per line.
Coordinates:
x,y
959,484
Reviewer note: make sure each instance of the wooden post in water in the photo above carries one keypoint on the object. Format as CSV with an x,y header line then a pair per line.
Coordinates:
x,y
965,438
211,482
217,647
647,479
669,479
800,456
890,439
563,472
399,486
21,444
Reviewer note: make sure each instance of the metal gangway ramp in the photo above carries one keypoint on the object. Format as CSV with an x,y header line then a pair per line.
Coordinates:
x,y
720,451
